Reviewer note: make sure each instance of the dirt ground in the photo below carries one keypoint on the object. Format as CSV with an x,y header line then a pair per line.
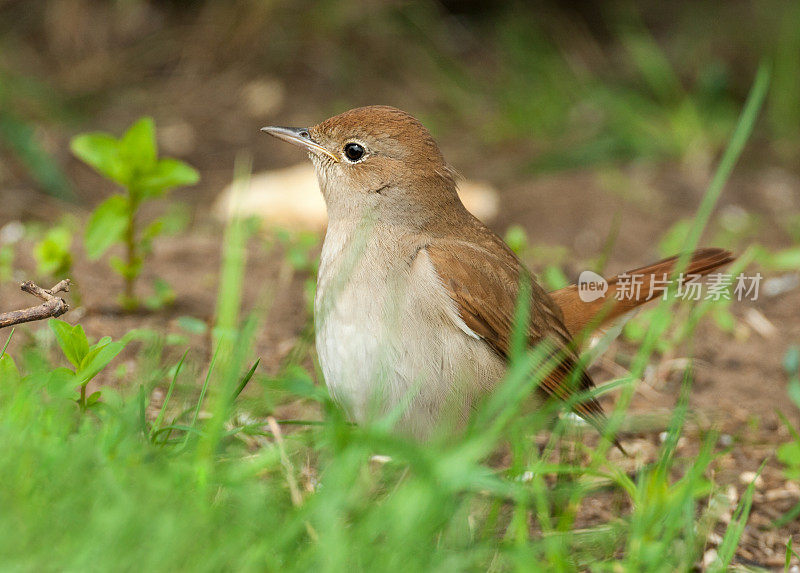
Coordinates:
x,y
740,382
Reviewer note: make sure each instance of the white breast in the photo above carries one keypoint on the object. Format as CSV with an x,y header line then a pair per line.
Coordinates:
x,y
389,338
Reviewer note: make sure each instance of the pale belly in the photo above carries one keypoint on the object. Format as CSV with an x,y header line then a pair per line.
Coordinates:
x,y
400,353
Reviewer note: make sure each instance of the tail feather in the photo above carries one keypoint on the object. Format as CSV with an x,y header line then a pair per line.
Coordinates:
x,y
623,294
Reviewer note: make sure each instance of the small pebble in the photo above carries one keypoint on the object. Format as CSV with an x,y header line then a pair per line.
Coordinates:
x,y
264,196
263,97
709,558
662,437
11,233
775,286
748,477
760,323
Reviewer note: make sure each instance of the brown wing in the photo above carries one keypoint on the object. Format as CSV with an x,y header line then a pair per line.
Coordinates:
x,y
484,284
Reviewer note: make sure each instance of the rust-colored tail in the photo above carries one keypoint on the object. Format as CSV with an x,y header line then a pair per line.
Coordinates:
x,y
623,295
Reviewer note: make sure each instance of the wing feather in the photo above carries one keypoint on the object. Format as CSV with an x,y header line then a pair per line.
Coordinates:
x,y
484,287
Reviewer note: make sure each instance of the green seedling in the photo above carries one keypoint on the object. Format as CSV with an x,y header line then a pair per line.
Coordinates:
x,y
6,262
88,360
301,255
551,275
132,162
19,96
53,253
300,249
517,239
163,295
789,453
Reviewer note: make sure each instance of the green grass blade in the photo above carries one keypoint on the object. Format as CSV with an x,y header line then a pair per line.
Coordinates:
x,y
205,387
163,410
742,132
245,379
8,341
735,528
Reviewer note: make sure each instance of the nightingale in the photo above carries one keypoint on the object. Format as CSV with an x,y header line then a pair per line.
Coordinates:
x,y
416,298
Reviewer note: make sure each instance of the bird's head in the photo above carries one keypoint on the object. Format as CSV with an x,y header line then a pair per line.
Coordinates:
x,y
376,160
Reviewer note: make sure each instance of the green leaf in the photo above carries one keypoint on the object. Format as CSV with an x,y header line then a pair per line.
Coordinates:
x,y
138,148
516,238
192,325
97,359
791,361
124,269
71,339
106,225
6,262
147,235
794,391
8,371
298,381
637,327
245,379
21,138
163,296
175,220
52,253
786,260
61,383
789,455
554,278
164,291
674,239
93,399
791,364
724,318
102,152
152,230
168,173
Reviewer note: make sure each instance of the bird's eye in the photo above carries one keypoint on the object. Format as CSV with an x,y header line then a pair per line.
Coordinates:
x,y
353,151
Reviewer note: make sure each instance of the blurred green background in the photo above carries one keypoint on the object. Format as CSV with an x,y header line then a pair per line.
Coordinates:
x,y
609,114
540,86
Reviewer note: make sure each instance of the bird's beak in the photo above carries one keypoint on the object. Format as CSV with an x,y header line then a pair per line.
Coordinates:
x,y
300,137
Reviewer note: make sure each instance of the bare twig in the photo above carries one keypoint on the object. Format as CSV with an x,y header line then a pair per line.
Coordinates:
x,y
52,307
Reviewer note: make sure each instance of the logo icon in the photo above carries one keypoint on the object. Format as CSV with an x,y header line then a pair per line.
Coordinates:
x,y
591,286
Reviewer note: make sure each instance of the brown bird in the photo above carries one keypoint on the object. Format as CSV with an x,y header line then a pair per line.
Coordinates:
x,y
416,298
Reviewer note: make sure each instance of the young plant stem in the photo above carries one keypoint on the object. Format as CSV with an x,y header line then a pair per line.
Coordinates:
x,y
129,302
